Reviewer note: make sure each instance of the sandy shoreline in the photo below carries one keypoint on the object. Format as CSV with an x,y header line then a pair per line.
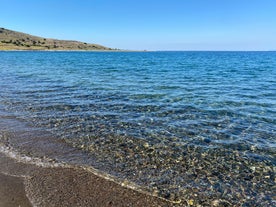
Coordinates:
x,y
45,183
30,185
12,192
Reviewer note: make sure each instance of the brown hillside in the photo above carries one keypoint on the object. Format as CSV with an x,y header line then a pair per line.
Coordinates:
x,y
12,40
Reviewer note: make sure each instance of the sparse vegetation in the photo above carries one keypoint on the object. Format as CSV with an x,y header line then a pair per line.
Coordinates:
x,y
11,40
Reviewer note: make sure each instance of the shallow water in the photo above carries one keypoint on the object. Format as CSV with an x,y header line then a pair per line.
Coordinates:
x,y
193,126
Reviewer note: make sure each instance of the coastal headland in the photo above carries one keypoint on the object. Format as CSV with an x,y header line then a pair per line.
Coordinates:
x,y
13,40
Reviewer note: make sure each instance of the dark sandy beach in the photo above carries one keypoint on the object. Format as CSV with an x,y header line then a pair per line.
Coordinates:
x,y
30,185
26,183
12,192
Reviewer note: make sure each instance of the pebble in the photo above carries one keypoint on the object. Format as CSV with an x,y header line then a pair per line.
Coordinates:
x,y
146,145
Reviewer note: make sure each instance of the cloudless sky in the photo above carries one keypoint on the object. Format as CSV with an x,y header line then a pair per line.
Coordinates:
x,y
148,24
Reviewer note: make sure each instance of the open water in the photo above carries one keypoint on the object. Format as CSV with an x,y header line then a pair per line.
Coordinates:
x,y
192,126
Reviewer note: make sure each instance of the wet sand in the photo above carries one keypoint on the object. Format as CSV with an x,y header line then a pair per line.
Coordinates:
x,y
12,192
24,183
27,185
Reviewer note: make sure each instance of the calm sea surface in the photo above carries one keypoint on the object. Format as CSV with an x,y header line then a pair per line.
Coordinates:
x,y
185,125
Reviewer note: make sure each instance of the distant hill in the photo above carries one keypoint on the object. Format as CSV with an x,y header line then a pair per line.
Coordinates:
x,y
12,40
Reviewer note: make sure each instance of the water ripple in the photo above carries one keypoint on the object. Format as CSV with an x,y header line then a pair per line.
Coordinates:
x,y
180,123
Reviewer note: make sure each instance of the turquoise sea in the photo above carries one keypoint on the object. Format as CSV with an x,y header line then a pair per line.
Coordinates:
x,y
181,125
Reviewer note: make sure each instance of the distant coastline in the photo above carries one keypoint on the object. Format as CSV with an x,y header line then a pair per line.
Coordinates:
x,y
17,41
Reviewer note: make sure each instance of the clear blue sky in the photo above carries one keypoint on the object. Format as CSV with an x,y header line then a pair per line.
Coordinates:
x,y
149,24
